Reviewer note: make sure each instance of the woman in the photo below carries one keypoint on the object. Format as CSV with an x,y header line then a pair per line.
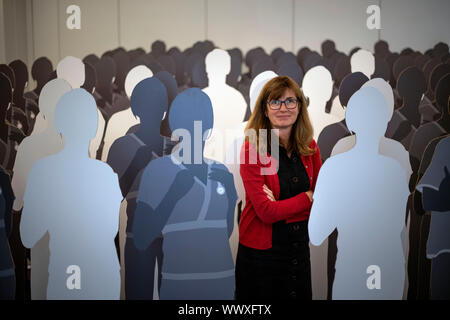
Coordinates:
x,y
273,260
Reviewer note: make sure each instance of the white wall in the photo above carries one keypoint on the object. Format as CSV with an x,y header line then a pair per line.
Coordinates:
x,y
418,24
251,23
343,21
177,22
35,28
13,32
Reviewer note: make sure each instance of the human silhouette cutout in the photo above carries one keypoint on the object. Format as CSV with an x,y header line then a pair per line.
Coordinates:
x,y
435,187
10,135
331,134
76,200
128,157
191,200
363,61
418,265
17,114
229,106
33,148
122,121
317,87
10,139
108,100
40,71
407,119
369,212
72,70
7,274
292,70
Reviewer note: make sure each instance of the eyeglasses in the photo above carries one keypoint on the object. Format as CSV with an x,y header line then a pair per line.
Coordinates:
x,y
289,103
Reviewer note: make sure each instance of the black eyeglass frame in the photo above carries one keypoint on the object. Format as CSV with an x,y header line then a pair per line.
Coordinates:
x,y
285,103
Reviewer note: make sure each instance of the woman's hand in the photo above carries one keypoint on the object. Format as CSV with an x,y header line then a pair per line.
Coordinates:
x,y
269,193
310,194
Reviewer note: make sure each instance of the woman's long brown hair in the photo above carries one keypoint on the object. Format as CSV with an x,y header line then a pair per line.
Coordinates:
x,y
302,129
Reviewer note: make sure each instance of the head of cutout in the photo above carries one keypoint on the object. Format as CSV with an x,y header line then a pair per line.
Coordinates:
x,y
199,77
50,95
158,48
386,90
286,57
189,106
328,48
341,69
276,53
149,101
173,50
170,83
105,70
218,62
351,83
382,69
363,61
438,72
442,94
367,114
318,84
381,48
21,76
263,64
122,63
134,76
167,63
420,61
401,64
5,95
90,78
91,59
292,70
411,84
134,55
76,109
252,54
41,70
257,84
71,69
301,54
440,49
9,73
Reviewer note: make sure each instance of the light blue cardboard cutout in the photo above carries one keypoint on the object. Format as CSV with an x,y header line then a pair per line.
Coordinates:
x,y
77,200
368,213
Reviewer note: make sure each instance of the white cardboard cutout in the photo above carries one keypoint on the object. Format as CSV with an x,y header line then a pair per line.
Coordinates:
x,y
122,121
369,212
229,106
363,61
33,148
72,70
318,86
77,200
337,110
233,154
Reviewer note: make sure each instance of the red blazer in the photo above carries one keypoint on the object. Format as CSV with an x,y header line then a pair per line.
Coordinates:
x,y
255,227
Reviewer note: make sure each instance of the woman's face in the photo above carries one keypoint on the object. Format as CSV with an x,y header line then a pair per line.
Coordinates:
x,y
284,117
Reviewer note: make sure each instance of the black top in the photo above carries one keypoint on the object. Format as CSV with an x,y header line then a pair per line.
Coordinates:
x,y
293,180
